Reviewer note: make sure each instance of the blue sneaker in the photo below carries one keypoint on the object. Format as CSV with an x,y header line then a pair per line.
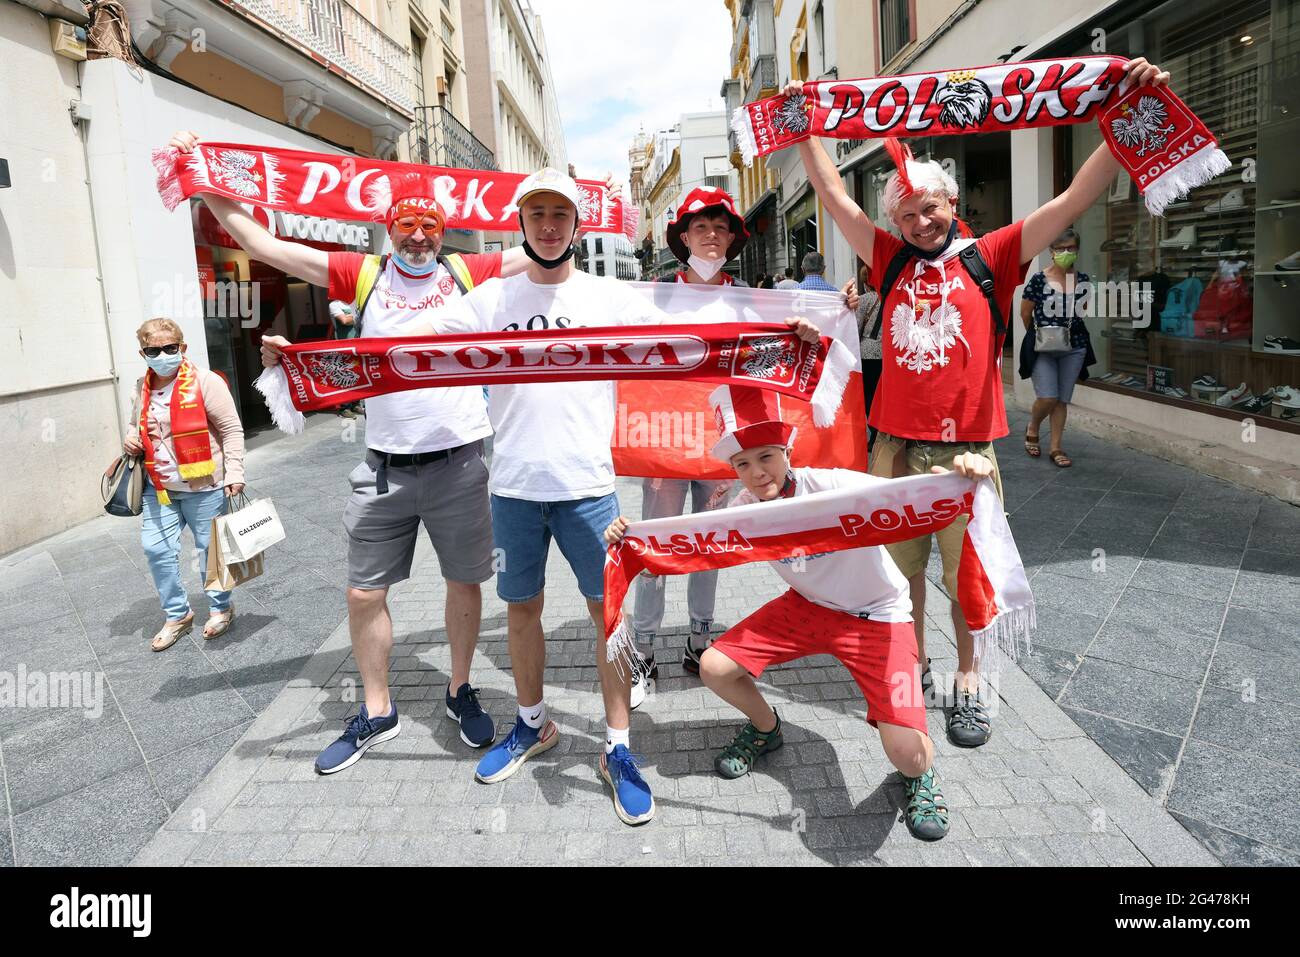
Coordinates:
x,y
520,744
633,802
476,726
362,733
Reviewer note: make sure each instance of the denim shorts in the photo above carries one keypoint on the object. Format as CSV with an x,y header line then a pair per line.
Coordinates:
x,y
522,533
1055,373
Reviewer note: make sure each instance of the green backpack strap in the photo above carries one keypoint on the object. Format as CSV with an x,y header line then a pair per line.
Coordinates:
x,y
459,270
367,278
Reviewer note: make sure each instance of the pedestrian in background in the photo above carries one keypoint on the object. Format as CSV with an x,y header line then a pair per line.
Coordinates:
x,y
789,282
814,264
193,445
868,308
345,327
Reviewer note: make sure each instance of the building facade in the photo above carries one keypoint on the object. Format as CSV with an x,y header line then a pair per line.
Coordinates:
x,y
1198,307
610,254
384,79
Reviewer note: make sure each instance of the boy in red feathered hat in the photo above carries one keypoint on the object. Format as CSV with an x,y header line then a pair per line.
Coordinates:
x,y
851,604
945,298
705,235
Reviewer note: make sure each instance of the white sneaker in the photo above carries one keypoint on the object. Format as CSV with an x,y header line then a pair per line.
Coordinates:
x,y
1233,396
1291,263
643,682
1232,199
1286,397
1185,237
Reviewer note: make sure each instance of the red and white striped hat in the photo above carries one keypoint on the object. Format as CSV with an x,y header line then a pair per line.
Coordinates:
x,y
747,418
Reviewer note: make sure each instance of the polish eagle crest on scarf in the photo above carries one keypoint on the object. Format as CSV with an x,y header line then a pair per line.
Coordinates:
x,y
236,170
768,357
964,100
1145,126
342,370
792,116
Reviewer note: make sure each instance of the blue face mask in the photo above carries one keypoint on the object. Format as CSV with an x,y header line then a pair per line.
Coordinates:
x,y
165,365
406,267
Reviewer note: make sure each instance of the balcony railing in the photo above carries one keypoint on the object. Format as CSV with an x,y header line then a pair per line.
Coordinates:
x,y
334,30
762,76
437,138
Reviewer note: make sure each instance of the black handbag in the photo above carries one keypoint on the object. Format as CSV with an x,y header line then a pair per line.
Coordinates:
x,y
122,484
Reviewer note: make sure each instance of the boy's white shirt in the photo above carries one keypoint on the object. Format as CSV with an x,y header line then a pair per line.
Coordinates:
x,y
860,581
552,438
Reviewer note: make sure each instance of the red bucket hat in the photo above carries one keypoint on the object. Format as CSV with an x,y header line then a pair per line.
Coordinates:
x,y
700,201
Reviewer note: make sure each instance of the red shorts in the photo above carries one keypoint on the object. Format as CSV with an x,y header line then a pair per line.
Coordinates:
x,y
880,655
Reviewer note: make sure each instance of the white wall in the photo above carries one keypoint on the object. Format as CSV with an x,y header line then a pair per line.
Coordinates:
x,y
56,368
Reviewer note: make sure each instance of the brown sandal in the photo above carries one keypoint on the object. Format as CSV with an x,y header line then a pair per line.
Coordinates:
x,y
172,632
1032,446
218,623
1059,459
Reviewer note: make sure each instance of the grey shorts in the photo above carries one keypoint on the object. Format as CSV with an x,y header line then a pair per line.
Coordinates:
x,y
449,497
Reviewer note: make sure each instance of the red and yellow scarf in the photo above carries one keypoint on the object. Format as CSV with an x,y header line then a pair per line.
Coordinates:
x,y
191,442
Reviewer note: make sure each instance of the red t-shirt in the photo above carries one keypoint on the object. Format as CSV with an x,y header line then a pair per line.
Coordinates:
x,y
433,291
941,379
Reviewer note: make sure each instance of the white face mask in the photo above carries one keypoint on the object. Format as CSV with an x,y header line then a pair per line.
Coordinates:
x,y
706,268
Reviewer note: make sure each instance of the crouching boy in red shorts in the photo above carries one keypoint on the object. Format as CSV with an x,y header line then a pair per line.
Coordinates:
x,y
852,604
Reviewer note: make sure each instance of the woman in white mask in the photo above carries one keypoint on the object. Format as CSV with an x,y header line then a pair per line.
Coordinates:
x,y
188,429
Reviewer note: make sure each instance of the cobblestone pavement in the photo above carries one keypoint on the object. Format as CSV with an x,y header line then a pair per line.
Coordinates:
x,y
1040,793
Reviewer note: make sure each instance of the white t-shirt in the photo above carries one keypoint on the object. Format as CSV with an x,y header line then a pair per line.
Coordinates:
x,y
418,420
860,581
552,438
788,284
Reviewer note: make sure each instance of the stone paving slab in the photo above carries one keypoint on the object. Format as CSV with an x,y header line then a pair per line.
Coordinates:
x,y
1040,793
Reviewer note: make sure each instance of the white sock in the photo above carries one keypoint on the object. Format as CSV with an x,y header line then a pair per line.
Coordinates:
x,y
534,715
617,736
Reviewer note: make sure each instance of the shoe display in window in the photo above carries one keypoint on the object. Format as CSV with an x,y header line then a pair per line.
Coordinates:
x,y
1283,344
1122,241
1226,248
1286,397
1291,263
1234,397
1172,391
1259,405
1232,199
1207,383
1185,237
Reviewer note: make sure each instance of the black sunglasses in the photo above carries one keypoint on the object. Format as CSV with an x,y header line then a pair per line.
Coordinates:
x,y
154,351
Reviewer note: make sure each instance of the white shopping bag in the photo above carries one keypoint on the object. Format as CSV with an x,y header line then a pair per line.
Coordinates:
x,y
249,528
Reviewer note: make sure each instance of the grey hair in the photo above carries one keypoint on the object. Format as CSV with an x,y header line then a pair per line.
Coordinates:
x,y
1068,234
814,262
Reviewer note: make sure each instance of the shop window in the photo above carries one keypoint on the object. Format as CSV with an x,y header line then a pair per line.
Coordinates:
x,y
1202,306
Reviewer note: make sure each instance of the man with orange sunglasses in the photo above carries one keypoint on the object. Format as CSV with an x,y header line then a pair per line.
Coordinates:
x,y
424,460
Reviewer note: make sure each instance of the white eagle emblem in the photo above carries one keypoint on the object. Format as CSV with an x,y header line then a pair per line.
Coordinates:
x,y
338,369
1144,126
769,357
236,170
590,208
964,103
923,337
792,115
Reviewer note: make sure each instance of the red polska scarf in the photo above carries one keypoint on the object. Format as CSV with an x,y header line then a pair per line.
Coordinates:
x,y
337,186
1160,142
313,376
991,583
191,442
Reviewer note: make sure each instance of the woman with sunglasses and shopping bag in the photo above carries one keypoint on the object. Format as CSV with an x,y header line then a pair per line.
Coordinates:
x,y
193,446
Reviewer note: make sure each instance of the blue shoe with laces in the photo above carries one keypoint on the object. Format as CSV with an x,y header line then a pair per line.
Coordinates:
x,y
476,726
633,802
521,744
362,733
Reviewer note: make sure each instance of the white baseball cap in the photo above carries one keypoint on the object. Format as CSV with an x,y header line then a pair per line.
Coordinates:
x,y
548,180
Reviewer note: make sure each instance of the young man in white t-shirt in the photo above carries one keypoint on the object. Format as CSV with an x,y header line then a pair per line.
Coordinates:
x,y
553,474
424,462
852,604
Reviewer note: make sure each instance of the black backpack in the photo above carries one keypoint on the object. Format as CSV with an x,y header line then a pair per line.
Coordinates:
x,y
975,265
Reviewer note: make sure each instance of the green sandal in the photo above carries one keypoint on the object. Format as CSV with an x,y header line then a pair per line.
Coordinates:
x,y
737,758
927,812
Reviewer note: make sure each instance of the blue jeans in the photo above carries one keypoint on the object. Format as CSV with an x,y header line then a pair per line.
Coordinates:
x,y
160,534
1055,373
669,498
522,532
